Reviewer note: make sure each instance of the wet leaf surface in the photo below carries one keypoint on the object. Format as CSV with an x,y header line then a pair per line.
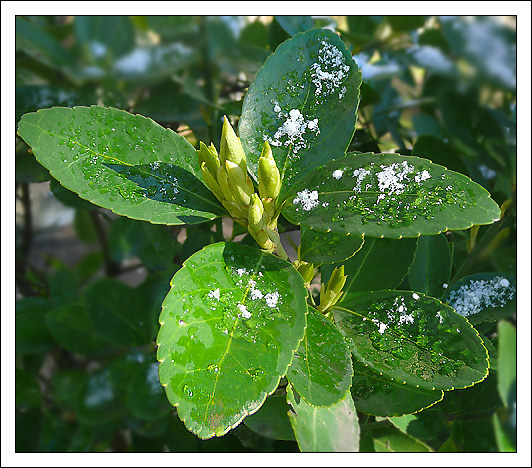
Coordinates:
x,y
327,247
229,327
377,395
321,370
303,101
413,339
78,145
388,195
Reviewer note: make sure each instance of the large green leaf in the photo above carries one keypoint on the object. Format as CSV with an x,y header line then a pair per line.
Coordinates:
x,y
324,428
376,394
295,24
414,339
484,297
379,264
78,144
303,101
431,269
388,195
321,370
271,420
229,327
327,247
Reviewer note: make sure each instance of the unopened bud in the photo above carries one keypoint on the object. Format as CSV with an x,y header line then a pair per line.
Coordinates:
x,y
209,156
330,294
239,183
221,177
306,270
257,225
211,182
269,177
231,147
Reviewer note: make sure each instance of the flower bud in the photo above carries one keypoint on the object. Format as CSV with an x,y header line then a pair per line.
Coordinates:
x,y
209,156
269,177
257,225
239,183
330,294
221,177
306,270
211,182
231,147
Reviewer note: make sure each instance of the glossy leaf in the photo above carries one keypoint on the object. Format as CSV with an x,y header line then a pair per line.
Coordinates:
x,y
229,327
484,297
327,247
426,425
303,101
295,24
77,145
379,264
507,363
413,339
324,429
376,394
431,269
388,195
271,420
321,370
388,439
118,312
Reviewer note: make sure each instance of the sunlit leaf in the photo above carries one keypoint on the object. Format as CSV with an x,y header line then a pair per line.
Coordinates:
x,y
388,195
321,370
303,101
77,145
413,339
229,327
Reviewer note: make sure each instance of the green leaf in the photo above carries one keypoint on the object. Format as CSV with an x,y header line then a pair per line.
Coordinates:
x,y
507,363
433,148
321,370
75,144
271,420
414,339
303,101
505,439
379,264
229,327
31,333
425,425
388,439
119,313
376,394
324,429
72,328
295,24
327,247
431,269
484,297
388,195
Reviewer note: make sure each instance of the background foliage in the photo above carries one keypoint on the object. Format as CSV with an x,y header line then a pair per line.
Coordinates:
x,y
86,375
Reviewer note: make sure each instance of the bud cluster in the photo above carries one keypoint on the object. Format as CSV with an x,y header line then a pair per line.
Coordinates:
x,y
226,175
331,294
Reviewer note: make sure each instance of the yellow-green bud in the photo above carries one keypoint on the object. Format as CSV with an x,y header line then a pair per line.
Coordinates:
x,y
257,225
330,294
209,156
221,177
231,147
236,212
211,182
307,271
239,183
269,177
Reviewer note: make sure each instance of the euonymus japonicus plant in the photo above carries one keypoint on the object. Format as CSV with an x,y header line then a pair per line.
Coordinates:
x,y
237,319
